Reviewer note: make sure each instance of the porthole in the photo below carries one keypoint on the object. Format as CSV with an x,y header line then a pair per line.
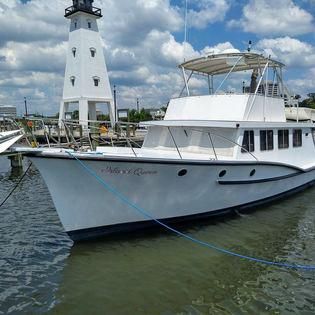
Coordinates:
x,y
222,173
182,172
252,173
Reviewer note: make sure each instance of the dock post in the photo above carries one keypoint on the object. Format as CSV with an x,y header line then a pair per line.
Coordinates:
x,y
16,160
128,131
81,135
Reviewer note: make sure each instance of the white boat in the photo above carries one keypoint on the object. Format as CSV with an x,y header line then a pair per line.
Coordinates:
x,y
210,155
300,113
8,138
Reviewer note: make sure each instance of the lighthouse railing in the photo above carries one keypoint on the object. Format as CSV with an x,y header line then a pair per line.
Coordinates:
x,y
83,7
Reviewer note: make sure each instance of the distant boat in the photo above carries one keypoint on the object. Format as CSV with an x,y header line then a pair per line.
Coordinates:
x,y
300,113
8,138
211,154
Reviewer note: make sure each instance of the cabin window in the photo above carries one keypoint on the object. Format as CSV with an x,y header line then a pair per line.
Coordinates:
x,y
74,50
266,140
93,52
72,80
96,81
297,137
283,139
248,144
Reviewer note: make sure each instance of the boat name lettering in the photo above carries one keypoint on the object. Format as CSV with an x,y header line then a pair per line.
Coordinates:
x,y
128,171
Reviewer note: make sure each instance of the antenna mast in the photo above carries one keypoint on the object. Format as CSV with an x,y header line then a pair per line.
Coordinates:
x,y
185,34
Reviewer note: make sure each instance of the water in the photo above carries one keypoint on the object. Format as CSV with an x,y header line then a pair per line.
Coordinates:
x,y
41,272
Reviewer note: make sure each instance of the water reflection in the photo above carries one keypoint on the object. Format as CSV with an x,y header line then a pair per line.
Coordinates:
x,y
164,274
33,246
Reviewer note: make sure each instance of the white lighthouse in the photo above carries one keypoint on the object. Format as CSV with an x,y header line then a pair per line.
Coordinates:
x,y
86,78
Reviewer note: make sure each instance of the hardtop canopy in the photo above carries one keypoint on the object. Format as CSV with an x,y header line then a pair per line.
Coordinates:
x,y
229,62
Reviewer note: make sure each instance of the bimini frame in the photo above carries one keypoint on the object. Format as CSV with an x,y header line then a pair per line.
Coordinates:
x,y
227,63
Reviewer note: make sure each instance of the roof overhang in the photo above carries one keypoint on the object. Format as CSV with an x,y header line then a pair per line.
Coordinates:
x,y
223,124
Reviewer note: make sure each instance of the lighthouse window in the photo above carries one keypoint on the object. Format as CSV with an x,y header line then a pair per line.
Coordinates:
x,y
248,144
283,139
89,25
72,80
74,50
266,140
96,81
93,52
297,137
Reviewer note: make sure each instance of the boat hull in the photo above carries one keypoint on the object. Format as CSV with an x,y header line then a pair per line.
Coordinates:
x,y
166,190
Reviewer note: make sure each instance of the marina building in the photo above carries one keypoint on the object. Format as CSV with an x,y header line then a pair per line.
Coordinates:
x,y
7,111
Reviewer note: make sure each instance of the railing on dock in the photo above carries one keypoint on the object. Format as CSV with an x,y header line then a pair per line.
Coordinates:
x,y
46,132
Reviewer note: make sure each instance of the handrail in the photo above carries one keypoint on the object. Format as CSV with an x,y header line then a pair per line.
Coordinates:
x,y
215,153
78,143
67,129
169,129
211,141
229,140
83,7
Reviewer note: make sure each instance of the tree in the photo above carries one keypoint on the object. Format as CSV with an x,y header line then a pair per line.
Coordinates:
x,y
308,102
103,117
135,116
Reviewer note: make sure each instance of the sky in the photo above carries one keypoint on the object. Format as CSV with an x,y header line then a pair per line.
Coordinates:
x,y
144,42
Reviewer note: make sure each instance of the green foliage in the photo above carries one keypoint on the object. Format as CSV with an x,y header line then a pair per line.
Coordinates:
x,y
103,117
136,117
164,109
75,115
308,102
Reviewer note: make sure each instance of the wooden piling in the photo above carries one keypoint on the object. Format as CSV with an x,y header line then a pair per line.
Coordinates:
x,y
16,160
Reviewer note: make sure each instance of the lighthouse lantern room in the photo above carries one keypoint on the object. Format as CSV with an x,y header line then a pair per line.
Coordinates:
x,y
86,79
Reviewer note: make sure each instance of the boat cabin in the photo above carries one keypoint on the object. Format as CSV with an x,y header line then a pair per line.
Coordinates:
x,y
249,124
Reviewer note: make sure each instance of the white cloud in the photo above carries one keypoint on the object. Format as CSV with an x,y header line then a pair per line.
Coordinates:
x,y
35,21
140,45
272,18
37,57
209,11
291,51
304,85
219,48
127,23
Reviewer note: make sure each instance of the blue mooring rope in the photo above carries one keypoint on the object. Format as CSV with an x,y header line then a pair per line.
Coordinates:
x,y
202,243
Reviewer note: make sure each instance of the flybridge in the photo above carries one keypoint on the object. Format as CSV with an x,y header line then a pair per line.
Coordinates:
x,y
267,71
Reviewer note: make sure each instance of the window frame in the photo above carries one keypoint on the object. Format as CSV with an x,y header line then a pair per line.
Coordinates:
x,y
93,52
74,52
268,143
248,142
72,80
283,139
96,81
297,138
